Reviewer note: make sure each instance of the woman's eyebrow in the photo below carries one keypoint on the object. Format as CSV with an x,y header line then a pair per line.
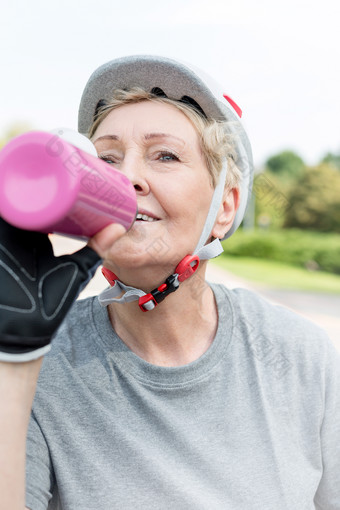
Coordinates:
x,y
106,137
150,136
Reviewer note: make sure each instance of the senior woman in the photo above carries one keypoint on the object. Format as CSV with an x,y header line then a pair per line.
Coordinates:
x,y
168,392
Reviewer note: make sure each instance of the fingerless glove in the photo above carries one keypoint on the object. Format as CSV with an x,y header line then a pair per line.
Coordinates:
x,y
36,290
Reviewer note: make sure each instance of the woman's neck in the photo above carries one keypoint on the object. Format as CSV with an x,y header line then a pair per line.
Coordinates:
x,y
176,332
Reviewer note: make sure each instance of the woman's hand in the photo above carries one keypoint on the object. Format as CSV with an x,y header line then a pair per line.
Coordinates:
x,y
37,289
105,238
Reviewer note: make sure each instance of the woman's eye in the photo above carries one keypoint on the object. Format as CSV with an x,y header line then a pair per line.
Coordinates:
x,y
168,156
107,159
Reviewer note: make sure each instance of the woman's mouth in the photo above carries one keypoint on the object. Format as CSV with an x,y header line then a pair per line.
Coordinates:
x,y
145,217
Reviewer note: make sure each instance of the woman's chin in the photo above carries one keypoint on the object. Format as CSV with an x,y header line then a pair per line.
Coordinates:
x,y
149,265
147,248
134,258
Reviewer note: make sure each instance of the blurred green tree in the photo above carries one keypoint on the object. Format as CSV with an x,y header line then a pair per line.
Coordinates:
x,y
332,159
314,200
285,164
271,199
272,186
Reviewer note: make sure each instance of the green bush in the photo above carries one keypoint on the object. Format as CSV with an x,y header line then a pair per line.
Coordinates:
x,y
313,250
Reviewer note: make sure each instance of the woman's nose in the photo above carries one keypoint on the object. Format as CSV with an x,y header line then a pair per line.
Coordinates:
x,y
134,169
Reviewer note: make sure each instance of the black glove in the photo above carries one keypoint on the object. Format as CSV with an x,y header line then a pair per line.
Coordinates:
x,y
36,290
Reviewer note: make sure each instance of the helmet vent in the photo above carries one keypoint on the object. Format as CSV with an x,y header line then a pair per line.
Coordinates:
x,y
99,105
191,102
158,92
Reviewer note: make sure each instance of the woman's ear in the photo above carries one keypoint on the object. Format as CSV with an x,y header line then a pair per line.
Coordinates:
x,y
226,213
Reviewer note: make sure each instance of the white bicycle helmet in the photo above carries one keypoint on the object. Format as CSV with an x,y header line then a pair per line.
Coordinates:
x,y
187,84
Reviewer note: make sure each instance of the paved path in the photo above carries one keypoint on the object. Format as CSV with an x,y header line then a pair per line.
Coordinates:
x,y
323,309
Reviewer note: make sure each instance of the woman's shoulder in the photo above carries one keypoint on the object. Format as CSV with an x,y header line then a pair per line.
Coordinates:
x,y
279,344
252,304
265,322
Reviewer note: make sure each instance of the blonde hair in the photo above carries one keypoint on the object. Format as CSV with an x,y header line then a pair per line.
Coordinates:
x,y
216,143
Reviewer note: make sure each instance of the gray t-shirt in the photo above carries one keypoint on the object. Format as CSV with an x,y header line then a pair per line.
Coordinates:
x,y
252,424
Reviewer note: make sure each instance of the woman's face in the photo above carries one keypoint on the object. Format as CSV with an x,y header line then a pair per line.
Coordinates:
x,y
157,148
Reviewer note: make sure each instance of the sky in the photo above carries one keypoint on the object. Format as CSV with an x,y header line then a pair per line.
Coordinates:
x,y
280,61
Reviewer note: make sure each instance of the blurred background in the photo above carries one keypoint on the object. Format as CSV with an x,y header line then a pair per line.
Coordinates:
x,y
278,61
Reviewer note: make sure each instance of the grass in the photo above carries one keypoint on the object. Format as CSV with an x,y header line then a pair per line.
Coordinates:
x,y
279,275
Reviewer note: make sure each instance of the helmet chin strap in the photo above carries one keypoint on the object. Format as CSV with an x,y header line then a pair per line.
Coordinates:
x,y
213,249
187,266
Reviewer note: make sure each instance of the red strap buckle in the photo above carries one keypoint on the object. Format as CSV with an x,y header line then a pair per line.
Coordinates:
x,y
110,276
147,302
187,267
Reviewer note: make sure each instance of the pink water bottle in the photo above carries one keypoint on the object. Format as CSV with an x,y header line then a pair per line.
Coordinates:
x,y
47,184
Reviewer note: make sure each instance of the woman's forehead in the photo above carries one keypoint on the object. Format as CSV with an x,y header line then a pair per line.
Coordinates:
x,y
148,117
157,137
